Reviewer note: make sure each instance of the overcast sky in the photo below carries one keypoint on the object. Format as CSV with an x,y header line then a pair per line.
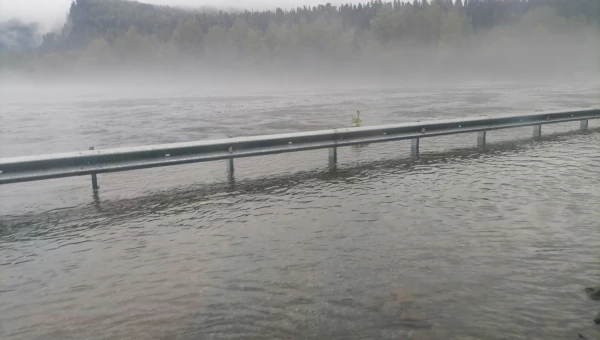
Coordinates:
x,y
50,13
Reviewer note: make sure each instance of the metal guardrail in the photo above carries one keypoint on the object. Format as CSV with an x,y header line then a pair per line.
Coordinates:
x,y
92,162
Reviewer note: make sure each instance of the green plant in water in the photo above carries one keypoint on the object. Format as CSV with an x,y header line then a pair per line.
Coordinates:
x,y
356,121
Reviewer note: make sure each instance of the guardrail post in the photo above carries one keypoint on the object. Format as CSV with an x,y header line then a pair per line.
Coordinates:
x,y
537,130
229,162
481,138
414,146
95,186
583,125
332,156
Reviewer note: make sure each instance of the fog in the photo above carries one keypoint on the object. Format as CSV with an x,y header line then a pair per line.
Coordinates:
x,y
397,66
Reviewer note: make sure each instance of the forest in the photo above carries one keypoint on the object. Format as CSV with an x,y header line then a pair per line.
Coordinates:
x,y
382,36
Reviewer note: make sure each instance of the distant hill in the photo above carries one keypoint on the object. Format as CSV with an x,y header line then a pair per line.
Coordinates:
x,y
109,19
382,35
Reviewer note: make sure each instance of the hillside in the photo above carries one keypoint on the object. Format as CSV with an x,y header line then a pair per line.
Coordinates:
x,y
107,33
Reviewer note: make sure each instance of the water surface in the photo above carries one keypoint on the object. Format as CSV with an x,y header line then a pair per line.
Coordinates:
x,y
488,244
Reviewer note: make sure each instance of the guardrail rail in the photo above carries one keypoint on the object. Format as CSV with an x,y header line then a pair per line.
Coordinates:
x,y
93,162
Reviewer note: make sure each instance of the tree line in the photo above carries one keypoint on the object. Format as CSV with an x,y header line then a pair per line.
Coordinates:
x,y
105,33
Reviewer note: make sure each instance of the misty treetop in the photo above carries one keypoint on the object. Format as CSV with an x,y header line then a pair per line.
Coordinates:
x,y
14,35
106,33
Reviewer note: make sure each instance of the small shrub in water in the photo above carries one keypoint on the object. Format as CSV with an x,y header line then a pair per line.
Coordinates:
x,y
356,121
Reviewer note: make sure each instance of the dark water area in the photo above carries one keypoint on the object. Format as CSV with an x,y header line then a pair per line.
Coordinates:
x,y
461,243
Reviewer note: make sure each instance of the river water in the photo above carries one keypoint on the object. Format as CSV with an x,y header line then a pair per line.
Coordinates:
x,y
459,244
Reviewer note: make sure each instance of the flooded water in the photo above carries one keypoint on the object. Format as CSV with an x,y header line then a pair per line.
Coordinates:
x,y
461,243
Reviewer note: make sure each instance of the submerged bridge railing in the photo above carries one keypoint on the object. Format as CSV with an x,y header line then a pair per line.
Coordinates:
x,y
93,162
